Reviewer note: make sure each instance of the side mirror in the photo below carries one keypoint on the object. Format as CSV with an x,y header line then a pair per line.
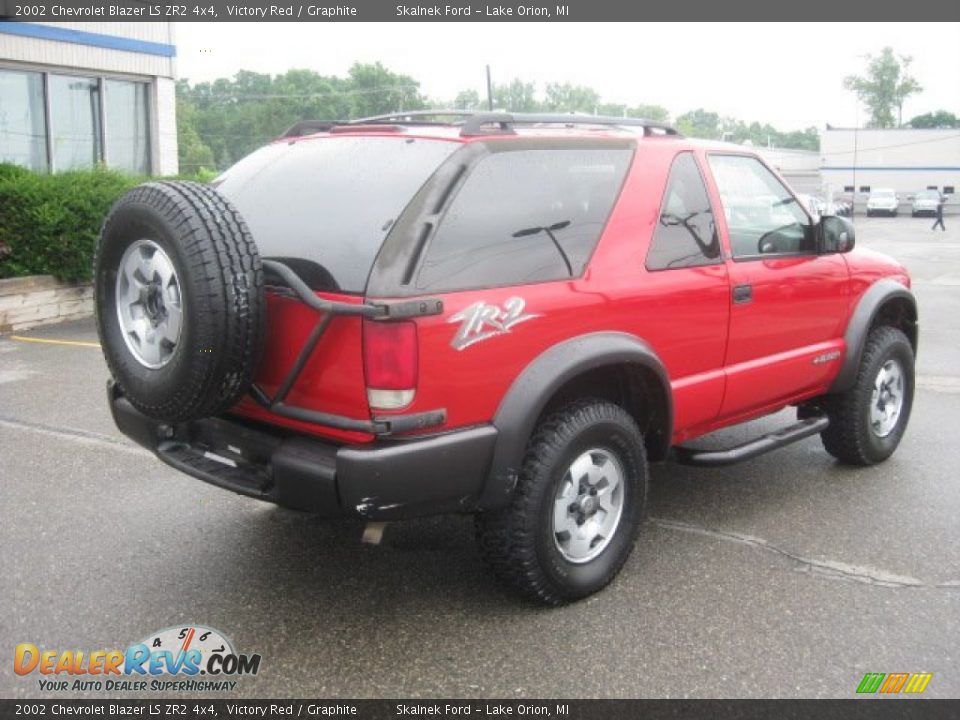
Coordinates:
x,y
836,234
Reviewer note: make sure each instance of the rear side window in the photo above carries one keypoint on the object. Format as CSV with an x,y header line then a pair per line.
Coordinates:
x,y
325,205
524,216
686,234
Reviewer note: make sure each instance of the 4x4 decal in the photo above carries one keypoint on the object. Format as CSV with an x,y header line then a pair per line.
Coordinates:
x,y
481,321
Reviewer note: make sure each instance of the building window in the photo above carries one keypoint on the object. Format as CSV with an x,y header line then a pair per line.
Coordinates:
x,y
864,188
948,189
23,124
75,121
848,188
67,122
128,142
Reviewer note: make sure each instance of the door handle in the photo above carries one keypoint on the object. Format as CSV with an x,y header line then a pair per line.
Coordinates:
x,y
742,294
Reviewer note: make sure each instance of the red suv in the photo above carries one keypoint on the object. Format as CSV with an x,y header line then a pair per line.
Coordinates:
x,y
504,315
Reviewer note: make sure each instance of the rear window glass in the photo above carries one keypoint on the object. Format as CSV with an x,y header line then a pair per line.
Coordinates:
x,y
327,204
524,216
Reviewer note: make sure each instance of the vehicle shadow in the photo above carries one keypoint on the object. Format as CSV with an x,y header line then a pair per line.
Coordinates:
x,y
324,563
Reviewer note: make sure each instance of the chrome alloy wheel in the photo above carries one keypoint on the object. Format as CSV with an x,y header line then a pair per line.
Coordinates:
x,y
149,303
886,402
588,505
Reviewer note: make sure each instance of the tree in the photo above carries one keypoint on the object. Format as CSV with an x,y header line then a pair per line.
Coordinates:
x,y
938,119
467,100
566,97
700,123
230,117
656,113
518,96
374,90
885,87
192,153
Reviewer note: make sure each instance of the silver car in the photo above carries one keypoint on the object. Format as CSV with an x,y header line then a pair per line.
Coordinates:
x,y
925,202
882,201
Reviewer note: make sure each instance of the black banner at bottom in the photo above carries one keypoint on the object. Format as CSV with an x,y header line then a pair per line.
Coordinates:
x,y
872,709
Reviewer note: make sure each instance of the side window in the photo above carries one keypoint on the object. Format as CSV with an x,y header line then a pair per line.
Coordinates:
x,y
686,234
763,218
524,216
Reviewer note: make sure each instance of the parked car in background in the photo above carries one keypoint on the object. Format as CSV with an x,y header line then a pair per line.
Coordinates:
x,y
839,207
925,202
813,205
882,201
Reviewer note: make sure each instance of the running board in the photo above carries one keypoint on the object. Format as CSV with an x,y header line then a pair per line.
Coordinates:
x,y
754,448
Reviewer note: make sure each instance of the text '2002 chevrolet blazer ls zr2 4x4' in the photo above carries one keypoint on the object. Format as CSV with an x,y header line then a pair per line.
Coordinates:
x,y
505,315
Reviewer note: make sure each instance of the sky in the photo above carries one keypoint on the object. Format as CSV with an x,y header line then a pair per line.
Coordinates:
x,y
787,74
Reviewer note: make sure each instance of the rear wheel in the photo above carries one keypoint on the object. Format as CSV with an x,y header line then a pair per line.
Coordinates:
x,y
179,300
867,422
579,501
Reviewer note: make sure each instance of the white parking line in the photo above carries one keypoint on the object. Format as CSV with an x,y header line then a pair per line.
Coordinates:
x,y
76,435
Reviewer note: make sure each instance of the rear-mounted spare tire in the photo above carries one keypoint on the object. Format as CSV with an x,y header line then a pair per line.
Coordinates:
x,y
179,300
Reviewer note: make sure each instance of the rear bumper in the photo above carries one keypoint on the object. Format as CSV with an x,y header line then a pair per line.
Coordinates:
x,y
385,480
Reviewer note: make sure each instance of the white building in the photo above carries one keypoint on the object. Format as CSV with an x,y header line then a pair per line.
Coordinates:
x,y
800,168
76,94
904,159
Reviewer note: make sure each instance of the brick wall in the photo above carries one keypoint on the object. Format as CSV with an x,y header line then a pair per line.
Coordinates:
x,y
41,300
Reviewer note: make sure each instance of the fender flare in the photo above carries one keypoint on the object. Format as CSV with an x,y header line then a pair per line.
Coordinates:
x,y
530,392
855,337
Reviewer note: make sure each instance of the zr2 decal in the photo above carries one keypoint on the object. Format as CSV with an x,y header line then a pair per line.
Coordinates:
x,y
481,321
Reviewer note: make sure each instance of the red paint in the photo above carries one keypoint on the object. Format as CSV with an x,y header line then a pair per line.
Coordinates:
x,y
727,362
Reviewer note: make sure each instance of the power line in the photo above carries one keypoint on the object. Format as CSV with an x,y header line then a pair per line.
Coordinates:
x,y
302,96
890,147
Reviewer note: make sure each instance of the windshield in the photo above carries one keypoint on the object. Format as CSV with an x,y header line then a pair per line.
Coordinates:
x,y
928,195
883,193
326,204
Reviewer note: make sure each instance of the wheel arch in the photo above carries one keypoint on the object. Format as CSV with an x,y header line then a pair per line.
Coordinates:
x,y
886,302
615,366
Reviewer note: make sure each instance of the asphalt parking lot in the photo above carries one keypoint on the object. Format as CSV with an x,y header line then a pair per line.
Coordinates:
x,y
784,576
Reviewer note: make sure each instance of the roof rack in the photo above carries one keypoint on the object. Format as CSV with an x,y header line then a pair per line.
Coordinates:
x,y
481,123
418,117
308,127
506,122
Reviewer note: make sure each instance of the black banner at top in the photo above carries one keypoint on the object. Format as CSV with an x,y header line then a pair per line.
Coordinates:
x,y
474,11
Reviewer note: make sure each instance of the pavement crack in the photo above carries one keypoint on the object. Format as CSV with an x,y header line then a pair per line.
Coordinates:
x,y
74,434
828,568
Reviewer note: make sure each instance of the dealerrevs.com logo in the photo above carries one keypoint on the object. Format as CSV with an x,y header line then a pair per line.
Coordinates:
x,y
191,658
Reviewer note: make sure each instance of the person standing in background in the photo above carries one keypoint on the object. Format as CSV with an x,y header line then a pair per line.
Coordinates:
x,y
939,220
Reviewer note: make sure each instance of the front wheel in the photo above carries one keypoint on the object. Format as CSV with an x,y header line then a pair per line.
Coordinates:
x,y
579,501
867,421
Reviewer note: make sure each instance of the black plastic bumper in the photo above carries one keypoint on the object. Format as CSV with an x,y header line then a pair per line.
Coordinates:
x,y
385,480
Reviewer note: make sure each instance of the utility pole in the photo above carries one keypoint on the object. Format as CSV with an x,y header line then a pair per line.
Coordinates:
x,y
853,199
489,91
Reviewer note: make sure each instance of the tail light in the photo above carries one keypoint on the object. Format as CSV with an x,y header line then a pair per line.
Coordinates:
x,y
390,363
